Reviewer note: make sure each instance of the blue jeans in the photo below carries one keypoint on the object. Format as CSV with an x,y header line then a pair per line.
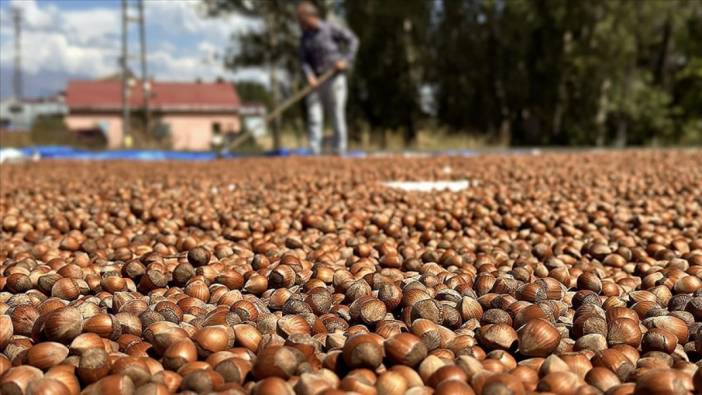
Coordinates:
x,y
330,97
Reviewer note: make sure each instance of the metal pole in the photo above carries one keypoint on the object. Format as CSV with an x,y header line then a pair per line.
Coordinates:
x,y
144,74
127,139
17,80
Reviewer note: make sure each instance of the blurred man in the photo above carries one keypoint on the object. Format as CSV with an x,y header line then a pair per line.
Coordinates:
x,y
325,46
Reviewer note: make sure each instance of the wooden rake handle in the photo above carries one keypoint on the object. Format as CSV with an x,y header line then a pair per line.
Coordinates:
x,y
296,97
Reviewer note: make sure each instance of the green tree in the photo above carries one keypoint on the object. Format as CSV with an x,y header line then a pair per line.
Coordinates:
x,y
687,77
388,73
253,92
523,72
274,45
555,72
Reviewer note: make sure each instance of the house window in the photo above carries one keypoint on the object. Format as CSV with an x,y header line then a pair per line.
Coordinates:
x,y
16,108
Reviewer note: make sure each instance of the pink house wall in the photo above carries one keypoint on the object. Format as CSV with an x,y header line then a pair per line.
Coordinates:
x,y
90,121
193,132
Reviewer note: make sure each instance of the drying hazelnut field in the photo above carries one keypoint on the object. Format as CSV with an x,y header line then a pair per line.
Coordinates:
x,y
566,273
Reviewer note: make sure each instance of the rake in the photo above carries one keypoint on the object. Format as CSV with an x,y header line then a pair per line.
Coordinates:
x,y
296,97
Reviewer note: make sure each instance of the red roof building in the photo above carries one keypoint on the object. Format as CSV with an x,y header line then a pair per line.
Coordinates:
x,y
192,113
165,96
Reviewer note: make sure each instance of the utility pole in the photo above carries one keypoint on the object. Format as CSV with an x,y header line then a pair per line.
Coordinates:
x,y
17,77
146,85
127,138
126,74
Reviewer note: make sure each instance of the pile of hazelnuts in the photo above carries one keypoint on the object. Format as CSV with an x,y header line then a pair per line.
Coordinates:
x,y
571,273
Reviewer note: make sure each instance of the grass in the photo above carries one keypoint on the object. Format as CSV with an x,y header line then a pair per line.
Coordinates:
x,y
427,140
14,139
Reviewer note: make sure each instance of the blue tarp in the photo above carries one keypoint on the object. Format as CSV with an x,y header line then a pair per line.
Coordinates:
x,y
307,152
70,153
63,152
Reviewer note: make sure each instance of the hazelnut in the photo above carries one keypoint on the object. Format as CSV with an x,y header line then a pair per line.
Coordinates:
x,y
152,389
498,337
538,338
283,276
602,378
212,339
94,364
202,381
63,325
429,365
113,385
657,339
16,380
674,325
503,383
234,370
410,375
169,379
391,383
614,361
65,374
6,330
46,355
178,354
311,383
198,256
104,325
65,289
663,381
405,349
453,387
272,386
529,377
47,386
85,342
23,318
363,351
367,310
624,331
277,361
558,382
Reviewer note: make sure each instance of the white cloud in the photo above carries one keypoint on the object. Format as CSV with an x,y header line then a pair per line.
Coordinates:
x,y
92,26
200,65
183,44
74,42
176,68
52,51
34,16
189,15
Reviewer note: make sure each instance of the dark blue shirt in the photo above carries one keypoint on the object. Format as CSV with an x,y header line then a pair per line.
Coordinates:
x,y
321,48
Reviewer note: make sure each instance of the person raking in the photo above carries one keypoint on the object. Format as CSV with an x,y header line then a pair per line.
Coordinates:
x,y
325,46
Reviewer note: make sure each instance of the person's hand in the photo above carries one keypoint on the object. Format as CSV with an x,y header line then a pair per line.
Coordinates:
x,y
312,80
341,65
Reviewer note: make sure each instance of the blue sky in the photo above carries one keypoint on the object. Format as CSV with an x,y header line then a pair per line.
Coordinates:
x,y
63,39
